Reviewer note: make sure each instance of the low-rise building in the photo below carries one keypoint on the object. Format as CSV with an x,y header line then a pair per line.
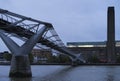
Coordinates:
x,y
88,49
42,55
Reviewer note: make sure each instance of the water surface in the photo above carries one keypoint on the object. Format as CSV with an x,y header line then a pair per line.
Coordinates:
x,y
66,73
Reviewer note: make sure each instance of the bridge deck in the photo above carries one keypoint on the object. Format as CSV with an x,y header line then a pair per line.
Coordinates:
x,y
22,32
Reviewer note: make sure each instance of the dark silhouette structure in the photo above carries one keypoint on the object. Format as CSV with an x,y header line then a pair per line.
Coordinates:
x,y
111,35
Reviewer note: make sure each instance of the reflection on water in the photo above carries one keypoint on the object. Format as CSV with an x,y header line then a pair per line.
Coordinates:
x,y
21,79
67,73
54,76
110,74
59,75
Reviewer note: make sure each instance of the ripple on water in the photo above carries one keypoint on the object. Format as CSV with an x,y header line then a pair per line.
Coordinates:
x,y
66,73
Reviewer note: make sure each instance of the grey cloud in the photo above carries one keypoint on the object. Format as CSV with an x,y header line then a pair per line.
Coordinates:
x,y
74,20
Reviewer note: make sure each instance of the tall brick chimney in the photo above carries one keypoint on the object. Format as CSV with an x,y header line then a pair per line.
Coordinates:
x,y
111,35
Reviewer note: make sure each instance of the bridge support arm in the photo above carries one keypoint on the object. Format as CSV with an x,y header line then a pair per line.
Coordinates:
x,y
12,46
76,58
20,65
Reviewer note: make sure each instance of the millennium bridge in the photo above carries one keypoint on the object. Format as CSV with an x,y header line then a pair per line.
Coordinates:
x,y
34,33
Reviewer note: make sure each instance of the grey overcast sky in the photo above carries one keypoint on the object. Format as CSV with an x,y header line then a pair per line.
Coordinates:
x,y
74,20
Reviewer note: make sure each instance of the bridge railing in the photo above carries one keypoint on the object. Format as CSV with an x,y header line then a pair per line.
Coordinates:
x,y
16,20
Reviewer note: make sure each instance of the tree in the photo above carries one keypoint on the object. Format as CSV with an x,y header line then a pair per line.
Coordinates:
x,y
93,59
53,59
7,56
31,58
64,59
118,59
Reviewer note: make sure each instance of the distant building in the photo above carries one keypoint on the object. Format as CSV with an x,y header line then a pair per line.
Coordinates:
x,y
1,56
42,55
92,48
86,44
90,44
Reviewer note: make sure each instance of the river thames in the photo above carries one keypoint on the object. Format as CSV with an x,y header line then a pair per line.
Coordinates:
x,y
66,73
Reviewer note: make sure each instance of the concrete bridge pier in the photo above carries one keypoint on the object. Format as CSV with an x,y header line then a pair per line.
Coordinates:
x,y
77,60
20,65
75,63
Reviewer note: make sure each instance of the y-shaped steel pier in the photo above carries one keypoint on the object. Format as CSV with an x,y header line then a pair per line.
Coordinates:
x,y
20,66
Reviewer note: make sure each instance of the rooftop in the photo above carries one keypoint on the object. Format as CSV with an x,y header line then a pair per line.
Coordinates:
x,y
89,44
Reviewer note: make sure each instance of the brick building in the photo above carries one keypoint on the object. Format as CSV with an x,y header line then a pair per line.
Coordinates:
x,y
41,55
93,48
